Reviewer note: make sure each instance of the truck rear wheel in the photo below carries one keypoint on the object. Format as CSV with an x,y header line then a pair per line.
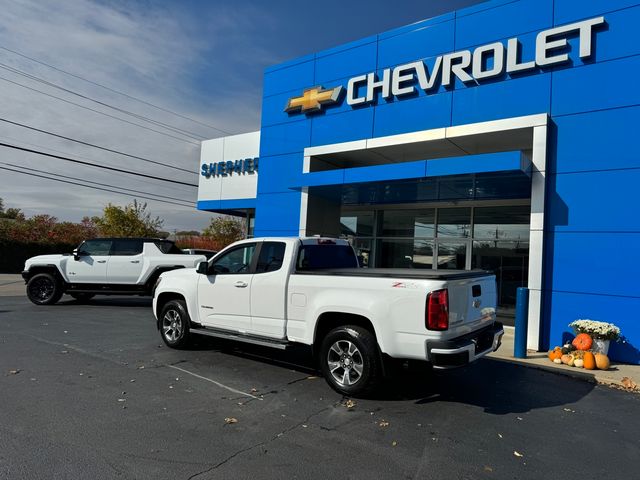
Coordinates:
x,y
350,360
44,289
174,324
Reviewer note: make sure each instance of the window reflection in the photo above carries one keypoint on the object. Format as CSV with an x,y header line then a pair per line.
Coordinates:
x,y
452,255
408,223
405,253
508,260
454,222
501,222
357,223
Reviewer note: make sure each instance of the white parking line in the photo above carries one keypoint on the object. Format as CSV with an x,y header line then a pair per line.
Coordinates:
x,y
214,382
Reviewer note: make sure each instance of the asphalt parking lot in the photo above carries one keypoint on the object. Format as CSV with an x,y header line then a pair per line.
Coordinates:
x,y
90,391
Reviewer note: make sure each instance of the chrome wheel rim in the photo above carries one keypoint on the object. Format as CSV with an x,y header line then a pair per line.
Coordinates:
x,y
345,363
172,325
42,289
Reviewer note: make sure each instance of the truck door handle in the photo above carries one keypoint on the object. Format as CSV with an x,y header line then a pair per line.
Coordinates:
x,y
102,261
135,261
241,284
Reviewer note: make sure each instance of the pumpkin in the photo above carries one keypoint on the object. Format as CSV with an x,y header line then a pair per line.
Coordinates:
x,y
589,361
602,361
555,353
582,341
578,362
557,360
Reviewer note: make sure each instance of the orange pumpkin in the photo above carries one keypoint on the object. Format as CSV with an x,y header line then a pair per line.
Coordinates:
x,y
582,341
555,354
602,361
589,361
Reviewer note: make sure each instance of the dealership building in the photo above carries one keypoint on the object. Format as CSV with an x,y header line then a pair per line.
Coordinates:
x,y
500,136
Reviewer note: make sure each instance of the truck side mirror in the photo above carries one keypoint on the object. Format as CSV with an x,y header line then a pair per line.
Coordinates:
x,y
203,268
76,255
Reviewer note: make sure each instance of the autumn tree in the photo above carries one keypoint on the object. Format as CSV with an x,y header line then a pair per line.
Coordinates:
x,y
225,230
132,220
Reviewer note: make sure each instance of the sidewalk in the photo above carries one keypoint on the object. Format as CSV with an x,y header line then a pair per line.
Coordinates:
x,y
614,376
11,285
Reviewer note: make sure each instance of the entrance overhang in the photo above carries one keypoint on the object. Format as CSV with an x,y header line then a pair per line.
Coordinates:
x,y
527,134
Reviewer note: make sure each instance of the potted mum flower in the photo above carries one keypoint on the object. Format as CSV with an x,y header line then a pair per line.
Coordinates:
x,y
601,332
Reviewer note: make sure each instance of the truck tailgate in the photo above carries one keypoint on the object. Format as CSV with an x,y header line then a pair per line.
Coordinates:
x,y
472,302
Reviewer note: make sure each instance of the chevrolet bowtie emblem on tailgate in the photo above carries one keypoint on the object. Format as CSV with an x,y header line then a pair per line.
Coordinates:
x,y
313,99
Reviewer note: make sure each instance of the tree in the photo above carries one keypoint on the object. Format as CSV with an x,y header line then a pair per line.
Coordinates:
x,y
10,213
132,220
225,230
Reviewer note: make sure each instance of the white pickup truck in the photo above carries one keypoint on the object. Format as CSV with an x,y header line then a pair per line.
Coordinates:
x,y
280,291
105,266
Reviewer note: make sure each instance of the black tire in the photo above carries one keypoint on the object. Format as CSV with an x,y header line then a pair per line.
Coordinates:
x,y
82,297
350,360
174,324
44,289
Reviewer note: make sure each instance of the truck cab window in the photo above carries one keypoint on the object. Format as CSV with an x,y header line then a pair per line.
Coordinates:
x,y
237,260
126,246
271,257
317,257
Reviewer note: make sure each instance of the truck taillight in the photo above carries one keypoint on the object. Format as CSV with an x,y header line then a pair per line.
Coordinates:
x,y
438,310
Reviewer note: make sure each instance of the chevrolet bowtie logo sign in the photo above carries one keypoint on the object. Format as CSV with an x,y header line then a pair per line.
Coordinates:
x,y
313,99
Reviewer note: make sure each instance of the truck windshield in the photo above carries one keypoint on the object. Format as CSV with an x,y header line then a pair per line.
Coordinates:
x,y
316,257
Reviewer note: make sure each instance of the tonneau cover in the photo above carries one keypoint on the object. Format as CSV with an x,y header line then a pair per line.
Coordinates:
x,y
398,273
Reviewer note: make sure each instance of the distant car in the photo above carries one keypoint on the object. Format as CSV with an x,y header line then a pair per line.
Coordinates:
x,y
104,266
200,251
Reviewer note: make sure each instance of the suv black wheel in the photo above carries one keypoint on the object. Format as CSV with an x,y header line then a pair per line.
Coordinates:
x,y
44,289
82,297
174,324
350,360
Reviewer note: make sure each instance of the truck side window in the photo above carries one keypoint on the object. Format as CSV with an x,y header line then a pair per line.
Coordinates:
x,y
166,246
271,257
237,260
95,247
126,246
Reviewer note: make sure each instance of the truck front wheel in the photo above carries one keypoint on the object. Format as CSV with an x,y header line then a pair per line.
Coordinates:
x,y
350,360
174,324
44,289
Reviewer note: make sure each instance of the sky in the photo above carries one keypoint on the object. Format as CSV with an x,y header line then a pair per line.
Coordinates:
x,y
176,72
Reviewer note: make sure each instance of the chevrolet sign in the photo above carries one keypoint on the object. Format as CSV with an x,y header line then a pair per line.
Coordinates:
x,y
467,66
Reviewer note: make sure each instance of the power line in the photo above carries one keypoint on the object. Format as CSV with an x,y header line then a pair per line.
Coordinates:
x,y
89,186
96,183
114,91
95,146
30,76
49,149
105,167
98,111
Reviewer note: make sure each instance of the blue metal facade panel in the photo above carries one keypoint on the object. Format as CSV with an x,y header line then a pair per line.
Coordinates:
x,y
592,234
409,115
510,98
421,41
509,20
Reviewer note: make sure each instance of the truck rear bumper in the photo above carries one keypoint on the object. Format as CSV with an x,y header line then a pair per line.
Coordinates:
x,y
466,349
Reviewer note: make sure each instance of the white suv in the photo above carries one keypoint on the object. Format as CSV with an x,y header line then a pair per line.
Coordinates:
x,y
105,266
